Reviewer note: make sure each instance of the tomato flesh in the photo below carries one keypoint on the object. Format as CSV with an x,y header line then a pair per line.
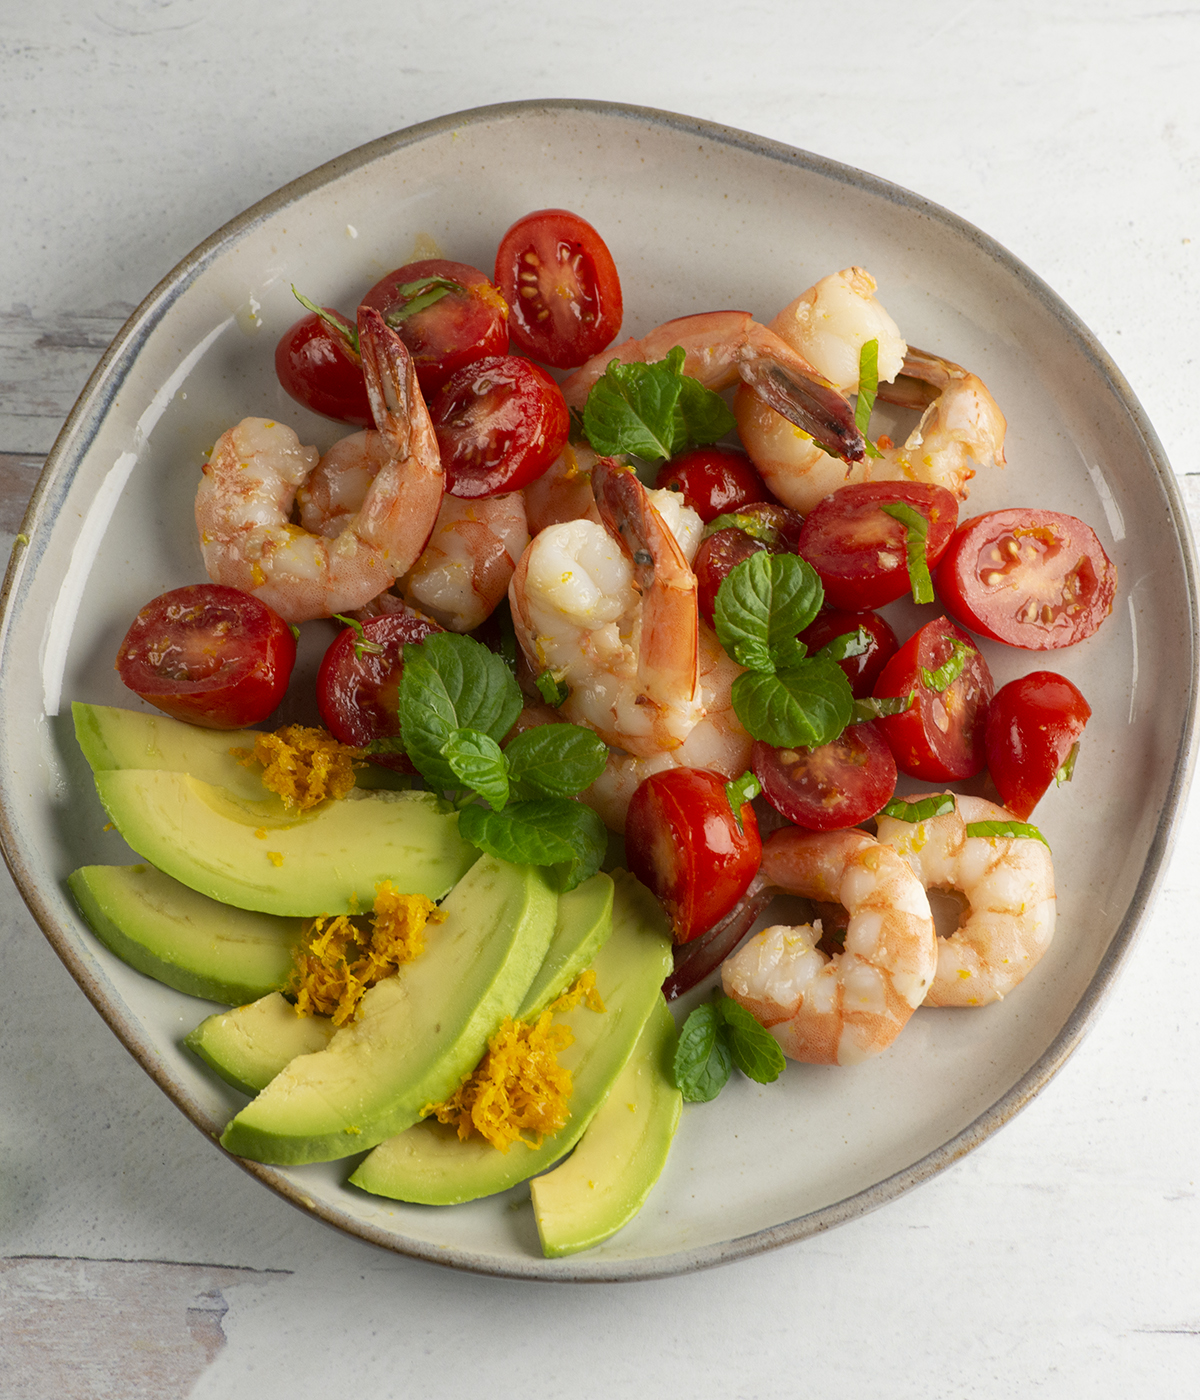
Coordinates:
x,y
359,681
1033,724
713,480
684,843
209,655
828,788
879,643
860,551
1036,579
941,736
318,369
464,321
500,422
560,280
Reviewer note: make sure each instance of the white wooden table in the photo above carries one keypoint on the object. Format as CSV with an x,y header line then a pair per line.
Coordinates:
x,y
1059,1259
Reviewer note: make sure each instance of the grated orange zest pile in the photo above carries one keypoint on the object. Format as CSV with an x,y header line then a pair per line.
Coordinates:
x,y
519,1087
303,764
339,958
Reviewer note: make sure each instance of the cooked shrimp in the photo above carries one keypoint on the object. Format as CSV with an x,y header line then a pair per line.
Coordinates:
x,y
844,1008
250,483
1008,885
610,610
563,491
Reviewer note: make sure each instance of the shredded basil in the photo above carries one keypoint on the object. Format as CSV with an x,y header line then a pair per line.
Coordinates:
x,y
420,295
363,646
1014,829
923,810
1066,770
868,389
740,791
347,333
916,535
949,671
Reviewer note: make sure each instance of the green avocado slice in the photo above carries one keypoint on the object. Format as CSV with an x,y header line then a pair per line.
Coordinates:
x,y
605,1181
182,938
430,1165
327,860
417,1034
249,1045
583,926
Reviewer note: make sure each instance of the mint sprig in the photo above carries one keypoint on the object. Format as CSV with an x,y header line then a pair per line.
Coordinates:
x,y
916,536
716,1036
785,697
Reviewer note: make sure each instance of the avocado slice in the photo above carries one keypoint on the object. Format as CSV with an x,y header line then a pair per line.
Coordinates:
x,y
605,1181
417,1034
430,1165
583,926
249,1045
182,938
327,860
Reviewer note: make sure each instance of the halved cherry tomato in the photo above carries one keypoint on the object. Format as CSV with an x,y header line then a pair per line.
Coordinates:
x,y
559,278
1032,578
713,480
835,786
859,550
359,680
862,668
500,422
941,736
210,655
1033,725
684,843
447,313
764,527
318,368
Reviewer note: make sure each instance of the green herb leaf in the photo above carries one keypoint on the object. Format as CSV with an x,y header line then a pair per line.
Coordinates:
x,y
806,706
555,760
847,645
739,792
652,411
478,763
916,528
1019,830
949,671
552,690
923,811
755,1050
347,332
1066,771
420,295
363,646
753,525
701,416
703,1062
547,831
762,604
868,388
880,706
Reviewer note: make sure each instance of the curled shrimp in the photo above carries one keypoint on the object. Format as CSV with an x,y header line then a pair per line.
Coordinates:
x,y
250,483
611,611
1007,884
845,1008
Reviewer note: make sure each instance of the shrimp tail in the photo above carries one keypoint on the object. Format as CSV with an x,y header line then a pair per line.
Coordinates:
x,y
810,402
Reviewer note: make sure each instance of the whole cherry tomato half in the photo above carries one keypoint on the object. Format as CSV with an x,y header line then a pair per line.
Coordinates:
x,y
713,480
447,313
834,786
860,551
1032,578
873,647
320,369
209,655
941,735
684,843
359,679
500,422
1033,727
761,527
559,278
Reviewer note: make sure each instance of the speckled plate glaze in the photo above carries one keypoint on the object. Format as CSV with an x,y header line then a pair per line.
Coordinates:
x,y
697,216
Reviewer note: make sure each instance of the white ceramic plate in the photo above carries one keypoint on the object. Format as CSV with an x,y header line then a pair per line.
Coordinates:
x,y
697,217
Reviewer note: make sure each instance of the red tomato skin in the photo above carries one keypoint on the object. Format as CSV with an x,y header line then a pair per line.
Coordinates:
x,y
861,671
683,843
1068,556
561,283
1033,724
455,330
859,550
713,480
500,422
832,787
209,655
941,737
357,696
721,552
317,368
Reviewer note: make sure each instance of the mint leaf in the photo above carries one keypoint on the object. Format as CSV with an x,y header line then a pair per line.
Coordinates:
x,y
419,295
762,604
806,706
547,831
553,691
949,671
701,416
631,408
739,792
916,534
879,706
703,1062
847,645
1012,829
1066,770
555,760
923,811
753,525
478,763
347,332
755,1050
868,389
